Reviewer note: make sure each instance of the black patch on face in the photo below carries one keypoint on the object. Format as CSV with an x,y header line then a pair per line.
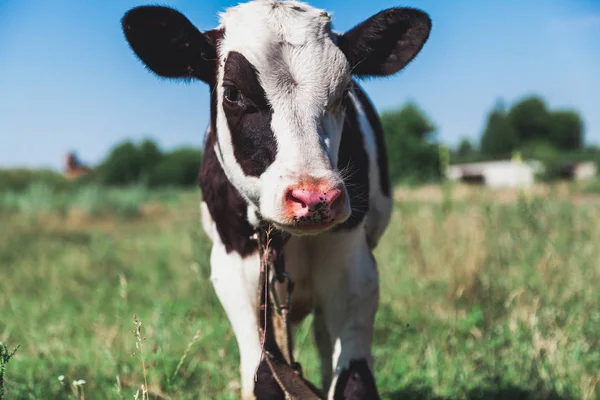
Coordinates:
x,y
226,206
248,116
356,383
354,162
375,122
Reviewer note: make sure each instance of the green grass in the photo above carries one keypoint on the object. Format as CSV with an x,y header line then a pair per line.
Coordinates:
x,y
21,178
479,300
93,200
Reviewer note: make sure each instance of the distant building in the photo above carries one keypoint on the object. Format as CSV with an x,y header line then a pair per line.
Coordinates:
x,y
74,168
578,171
495,174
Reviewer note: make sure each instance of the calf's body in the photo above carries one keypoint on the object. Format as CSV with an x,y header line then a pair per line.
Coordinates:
x,y
295,142
334,272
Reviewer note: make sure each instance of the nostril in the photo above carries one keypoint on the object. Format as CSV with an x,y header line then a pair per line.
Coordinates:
x,y
337,200
334,196
293,199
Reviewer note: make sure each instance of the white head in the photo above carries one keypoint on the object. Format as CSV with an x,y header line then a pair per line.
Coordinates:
x,y
279,77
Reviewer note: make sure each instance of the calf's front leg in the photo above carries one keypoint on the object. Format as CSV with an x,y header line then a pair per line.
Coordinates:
x,y
347,294
235,280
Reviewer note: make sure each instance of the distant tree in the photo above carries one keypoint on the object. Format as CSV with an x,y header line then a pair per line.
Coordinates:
x,y
122,166
530,119
465,149
408,120
541,150
534,122
499,137
145,164
150,154
178,167
549,136
411,152
566,129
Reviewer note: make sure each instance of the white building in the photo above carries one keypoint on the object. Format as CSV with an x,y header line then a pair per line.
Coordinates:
x,y
578,171
495,174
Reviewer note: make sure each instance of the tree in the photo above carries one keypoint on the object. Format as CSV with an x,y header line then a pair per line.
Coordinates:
x,y
408,120
122,166
530,119
411,153
145,164
465,149
150,155
542,151
566,129
178,167
533,122
499,137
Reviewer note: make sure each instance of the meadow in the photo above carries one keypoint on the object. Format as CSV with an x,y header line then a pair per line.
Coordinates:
x,y
484,295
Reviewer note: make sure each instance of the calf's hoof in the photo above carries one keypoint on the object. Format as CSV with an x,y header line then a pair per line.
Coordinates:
x,y
266,387
356,383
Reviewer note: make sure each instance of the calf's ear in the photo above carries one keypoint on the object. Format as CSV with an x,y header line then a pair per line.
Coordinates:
x,y
386,42
169,44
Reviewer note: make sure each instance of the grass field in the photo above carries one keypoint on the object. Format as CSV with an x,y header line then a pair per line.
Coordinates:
x,y
480,298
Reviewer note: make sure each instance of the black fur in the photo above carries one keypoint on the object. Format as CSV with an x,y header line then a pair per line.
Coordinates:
x,y
249,120
356,383
375,122
353,159
169,44
385,43
266,387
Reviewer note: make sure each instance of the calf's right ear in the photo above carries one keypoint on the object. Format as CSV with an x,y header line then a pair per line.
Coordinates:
x,y
169,44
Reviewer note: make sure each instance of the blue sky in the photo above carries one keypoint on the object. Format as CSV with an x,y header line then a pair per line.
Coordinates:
x,y
68,80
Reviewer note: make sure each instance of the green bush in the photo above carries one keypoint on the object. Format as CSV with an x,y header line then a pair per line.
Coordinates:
x,y
122,166
144,164
93,199
412,153
149,155
177,168
19,179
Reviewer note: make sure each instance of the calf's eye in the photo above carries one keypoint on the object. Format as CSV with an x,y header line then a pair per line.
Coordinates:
x,y
232,94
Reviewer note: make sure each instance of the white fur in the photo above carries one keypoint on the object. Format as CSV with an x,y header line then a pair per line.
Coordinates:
x,y
235,280
287,46
335,273
338,273
206,220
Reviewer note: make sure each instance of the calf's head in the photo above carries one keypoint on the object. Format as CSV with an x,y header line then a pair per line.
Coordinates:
x,y
279,79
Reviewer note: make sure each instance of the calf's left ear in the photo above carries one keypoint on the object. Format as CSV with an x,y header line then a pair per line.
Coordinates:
x,y
169,44
386,42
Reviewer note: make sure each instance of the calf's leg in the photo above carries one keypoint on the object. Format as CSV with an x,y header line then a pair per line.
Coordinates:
x,y
235,280
324,347
346,284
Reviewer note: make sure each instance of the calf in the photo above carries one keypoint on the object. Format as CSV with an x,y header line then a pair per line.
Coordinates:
x,y
293,141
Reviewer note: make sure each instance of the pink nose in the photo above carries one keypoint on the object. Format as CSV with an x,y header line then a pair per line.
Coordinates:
x,y
312,206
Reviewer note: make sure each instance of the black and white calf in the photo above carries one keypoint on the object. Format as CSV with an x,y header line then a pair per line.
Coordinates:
x,y
294,141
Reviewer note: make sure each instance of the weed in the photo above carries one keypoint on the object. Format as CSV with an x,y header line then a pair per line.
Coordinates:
x,y
139,344
5,357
